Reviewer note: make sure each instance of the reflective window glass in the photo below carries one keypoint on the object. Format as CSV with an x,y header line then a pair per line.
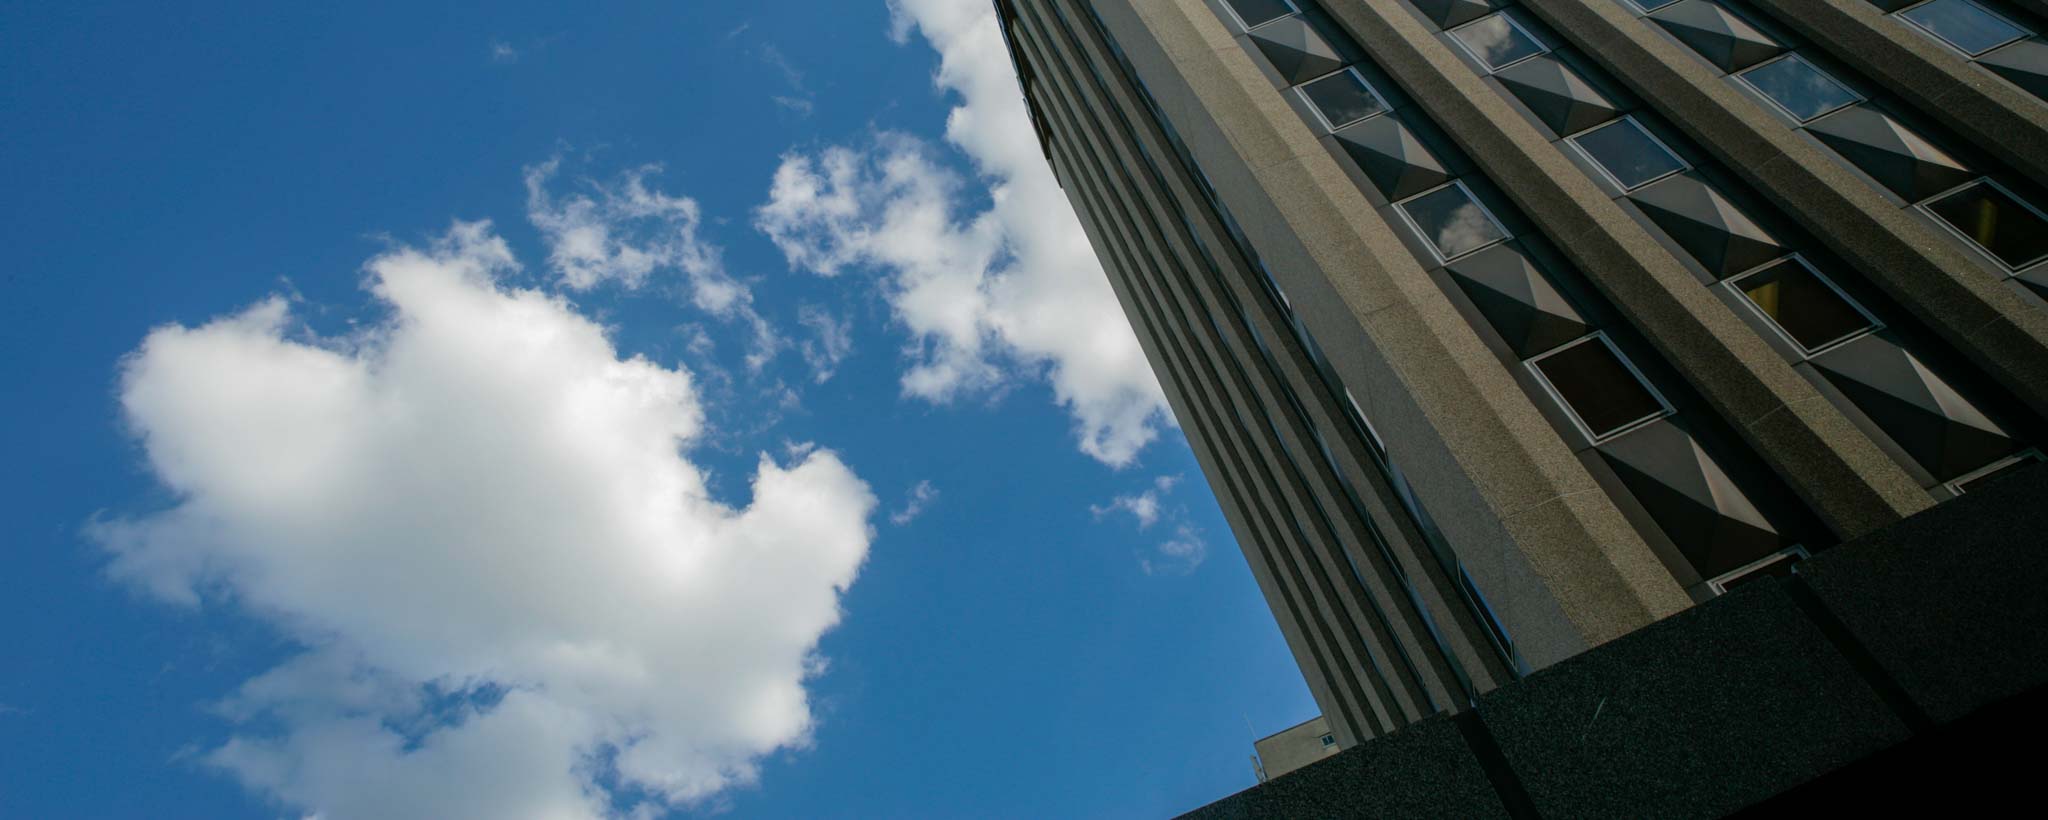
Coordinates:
x,y
1965,25
1452,222
1628,153
1497,42
1599,387
1255,12
1342,98
1997,222
1795,85
1805,306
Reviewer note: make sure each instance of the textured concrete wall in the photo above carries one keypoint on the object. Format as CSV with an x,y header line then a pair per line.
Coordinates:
x,y
1895,663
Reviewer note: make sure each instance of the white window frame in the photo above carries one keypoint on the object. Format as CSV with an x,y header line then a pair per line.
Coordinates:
x,y
1733,284
1743,77
1600,336
1401,208
1301,91
1517,24
1925,206
1719,583
2030,454
2023,29
1243,26
1683,166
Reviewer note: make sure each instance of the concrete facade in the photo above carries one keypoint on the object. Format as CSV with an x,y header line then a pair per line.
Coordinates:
x,y
1505,329
1296,746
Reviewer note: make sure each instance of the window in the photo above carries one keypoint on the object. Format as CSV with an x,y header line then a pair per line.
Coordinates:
x,y
1776,565
1795,85
1497,41
1999,223
1452,222
1808,308
1652,5
1963,24
1342,98
1600,388
1254,13
1629,155
1329,740
2005,467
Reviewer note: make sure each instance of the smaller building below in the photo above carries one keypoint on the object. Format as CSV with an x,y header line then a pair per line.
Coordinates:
x,y
1293,748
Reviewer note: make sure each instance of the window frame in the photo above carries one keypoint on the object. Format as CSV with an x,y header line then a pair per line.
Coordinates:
x,y
1601,337
2024,31
1401,208
1683,165
1793,54
1490,68
1719,583
1231,10
2029,454
1733,284
1644,11
1925,206
1301,92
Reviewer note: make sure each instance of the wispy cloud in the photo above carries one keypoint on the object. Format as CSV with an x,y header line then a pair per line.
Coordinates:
x,y
503,52
1182,551
831,341
914,503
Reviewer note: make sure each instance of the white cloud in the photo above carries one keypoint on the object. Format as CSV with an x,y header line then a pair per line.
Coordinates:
x,y
831,342
503,52
1178,555
1181,552
513,594
914,503
627,232
1015,283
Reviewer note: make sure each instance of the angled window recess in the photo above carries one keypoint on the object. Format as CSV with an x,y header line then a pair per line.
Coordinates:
x,y
1497,41
1805,306
1651,5
1630,156
1452,221
1254,13
1342,98
1968,27
1602,390
1803,91
1996,221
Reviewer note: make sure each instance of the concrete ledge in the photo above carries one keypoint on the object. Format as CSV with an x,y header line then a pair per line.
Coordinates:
x,y
1425,770
1951,605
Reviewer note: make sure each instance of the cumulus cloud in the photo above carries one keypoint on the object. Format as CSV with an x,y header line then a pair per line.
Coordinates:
x,y
914,503
1178,555
981,289
511,593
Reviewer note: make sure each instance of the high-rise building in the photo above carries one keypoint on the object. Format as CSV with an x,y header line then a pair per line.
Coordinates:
x,y
1503,329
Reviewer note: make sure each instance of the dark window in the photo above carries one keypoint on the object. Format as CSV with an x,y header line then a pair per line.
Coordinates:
x,y
1255,12
1965,25
1497,42
1599,387
1453,223
1996,221
1329,740
1653,5
1805,306
1776,566
1795,85
1342,98
1629,153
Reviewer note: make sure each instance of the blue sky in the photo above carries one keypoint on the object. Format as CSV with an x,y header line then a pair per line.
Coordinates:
x,y
358,358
